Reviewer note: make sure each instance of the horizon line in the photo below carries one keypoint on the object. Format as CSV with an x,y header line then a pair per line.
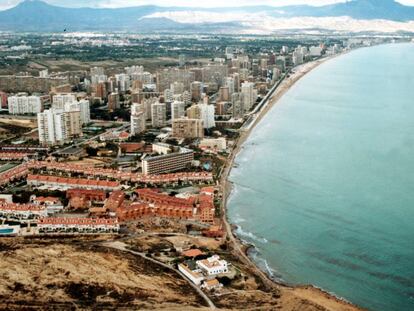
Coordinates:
x,y
184,6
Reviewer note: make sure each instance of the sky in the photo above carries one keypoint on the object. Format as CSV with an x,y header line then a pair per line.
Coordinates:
x,y
4,4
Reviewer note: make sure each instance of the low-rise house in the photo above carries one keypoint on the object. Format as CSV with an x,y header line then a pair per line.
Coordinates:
x,y
213,265
187,177
214,232
45,200
64,183
22,211
192,253
212,284
14,156
78,225
53,205
194,276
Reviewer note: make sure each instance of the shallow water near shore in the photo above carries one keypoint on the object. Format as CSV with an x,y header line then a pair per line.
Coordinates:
x,y
324,186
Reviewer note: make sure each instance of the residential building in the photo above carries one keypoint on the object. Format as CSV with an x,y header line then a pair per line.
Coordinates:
x,y
22,211
213,265
123,82
159,114
52,127
224,93
249,95
24,104
138,123
187,128
177,110
85,111
237,105
204,112
64,183
73,118
77,225
207,115
213,284
315,51
59,101
168,95
194,276
196,89
113,101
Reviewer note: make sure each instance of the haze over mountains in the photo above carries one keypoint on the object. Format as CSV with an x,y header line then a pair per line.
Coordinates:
x,y
352,16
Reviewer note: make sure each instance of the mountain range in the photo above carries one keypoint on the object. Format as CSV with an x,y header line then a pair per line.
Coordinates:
x,y
35,15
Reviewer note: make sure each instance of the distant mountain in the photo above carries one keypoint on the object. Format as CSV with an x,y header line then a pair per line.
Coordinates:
x,y
358,9
35,15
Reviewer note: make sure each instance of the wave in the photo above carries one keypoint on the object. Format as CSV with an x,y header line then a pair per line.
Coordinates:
x,y
237,219
263,265
247,234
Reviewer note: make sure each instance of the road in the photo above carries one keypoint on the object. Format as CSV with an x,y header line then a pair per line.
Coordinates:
x,y
251,116
85,141
122,247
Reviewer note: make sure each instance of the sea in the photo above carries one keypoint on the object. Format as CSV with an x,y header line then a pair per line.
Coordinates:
x,y
324,185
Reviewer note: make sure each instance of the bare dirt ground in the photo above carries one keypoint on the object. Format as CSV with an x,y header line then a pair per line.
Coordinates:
x,y
47,274
31,124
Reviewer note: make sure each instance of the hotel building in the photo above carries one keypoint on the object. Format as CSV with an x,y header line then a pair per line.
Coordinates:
x,y
167,163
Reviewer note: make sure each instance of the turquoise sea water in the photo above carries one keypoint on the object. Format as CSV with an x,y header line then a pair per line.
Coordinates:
x,y
325,183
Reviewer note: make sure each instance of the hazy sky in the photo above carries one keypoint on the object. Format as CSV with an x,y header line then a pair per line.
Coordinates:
x,y
209,3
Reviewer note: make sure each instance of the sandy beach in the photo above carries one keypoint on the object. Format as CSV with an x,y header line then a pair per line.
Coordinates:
x,y
312,296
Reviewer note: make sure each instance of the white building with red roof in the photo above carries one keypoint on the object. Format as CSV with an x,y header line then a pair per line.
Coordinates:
x,y
22,211
213,265
78,225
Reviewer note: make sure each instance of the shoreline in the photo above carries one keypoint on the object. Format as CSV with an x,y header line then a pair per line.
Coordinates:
x,y
239,247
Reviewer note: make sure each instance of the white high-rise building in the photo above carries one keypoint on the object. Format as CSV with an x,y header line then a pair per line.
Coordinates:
x,y
207,115
148,102
138,124
249,95
315,51
123,82
168,95
24,104
297,57
58,126
52,127
177,110
60,100
73,119
85,111
98,75
96,79
159,114
230,84
186,97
